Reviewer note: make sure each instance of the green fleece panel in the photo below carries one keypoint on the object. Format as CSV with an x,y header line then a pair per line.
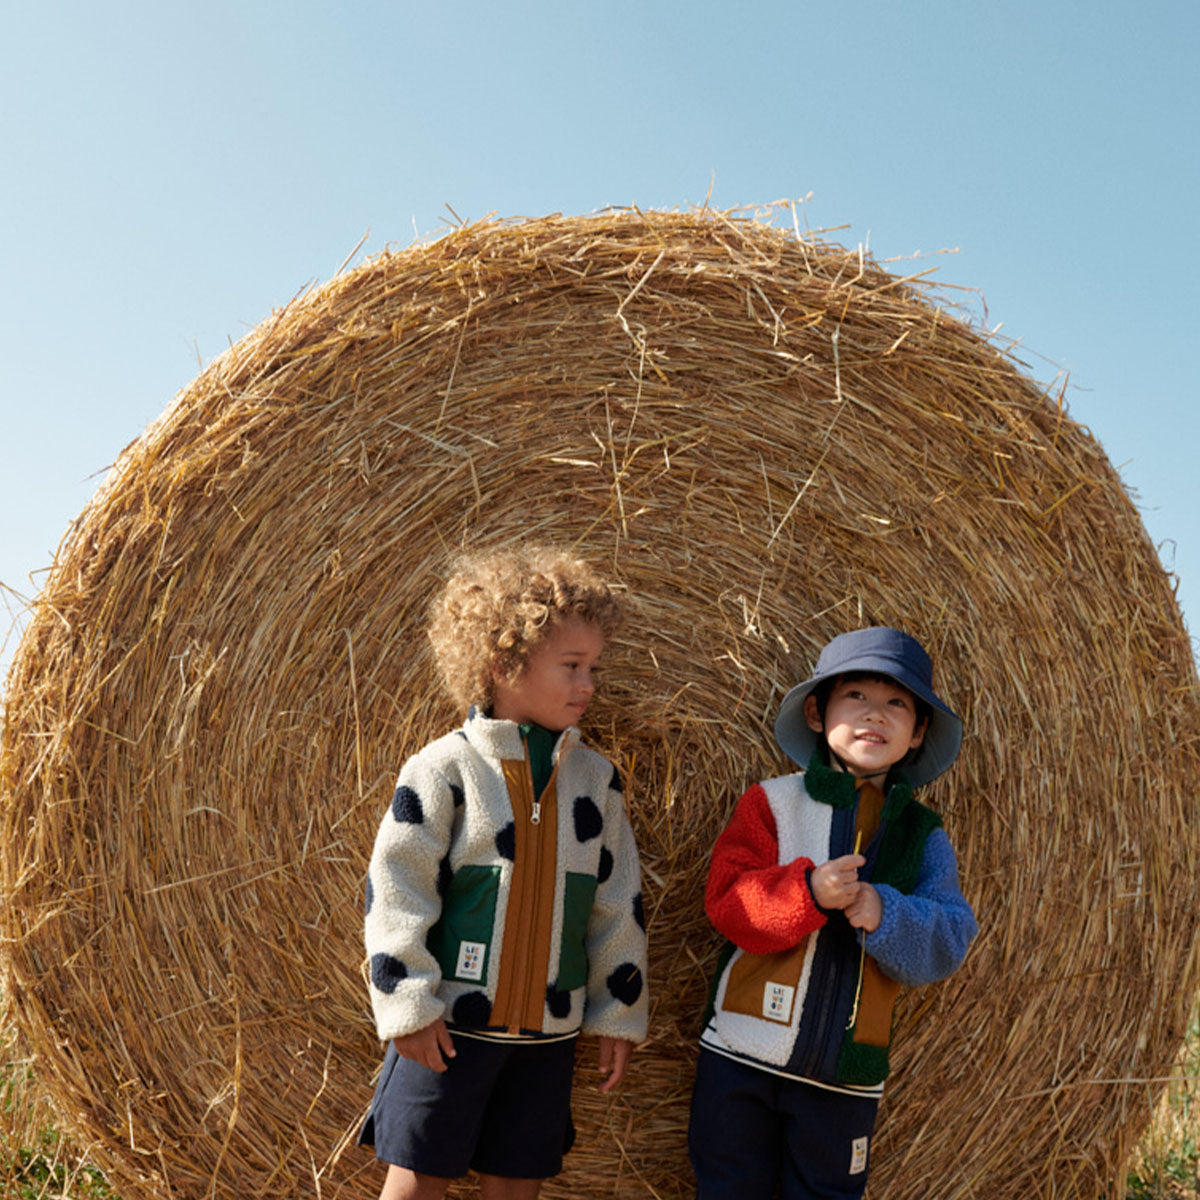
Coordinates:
x,y
863,1065
906,827
579,890
468,915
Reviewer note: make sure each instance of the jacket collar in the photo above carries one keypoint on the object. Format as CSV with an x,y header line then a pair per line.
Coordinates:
x,y
839,789
502,739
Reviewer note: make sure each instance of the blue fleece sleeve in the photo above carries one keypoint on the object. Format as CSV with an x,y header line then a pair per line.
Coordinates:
x,y
923,936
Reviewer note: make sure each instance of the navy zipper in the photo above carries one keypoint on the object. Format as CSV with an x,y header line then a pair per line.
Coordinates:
x,y
823,984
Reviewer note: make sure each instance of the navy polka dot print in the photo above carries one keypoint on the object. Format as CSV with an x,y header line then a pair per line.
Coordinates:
x,y
472,1011
604,868
506,842
387,972
406,806
588,821
625,983
559,1003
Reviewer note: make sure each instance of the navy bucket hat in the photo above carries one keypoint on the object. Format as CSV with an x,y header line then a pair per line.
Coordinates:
x,y
880,651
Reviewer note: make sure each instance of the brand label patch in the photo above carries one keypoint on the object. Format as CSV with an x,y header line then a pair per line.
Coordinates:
x,y
777,1001
470,960
858,1155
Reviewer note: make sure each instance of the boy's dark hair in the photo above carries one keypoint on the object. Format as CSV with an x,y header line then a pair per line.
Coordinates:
x,y
821,692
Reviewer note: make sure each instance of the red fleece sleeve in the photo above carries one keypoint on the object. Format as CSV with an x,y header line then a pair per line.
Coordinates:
x,y
754,901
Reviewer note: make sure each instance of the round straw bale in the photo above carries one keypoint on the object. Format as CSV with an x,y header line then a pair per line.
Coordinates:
x,y
768,440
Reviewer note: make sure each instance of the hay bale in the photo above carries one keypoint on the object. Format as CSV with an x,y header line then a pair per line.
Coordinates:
x,y
769,439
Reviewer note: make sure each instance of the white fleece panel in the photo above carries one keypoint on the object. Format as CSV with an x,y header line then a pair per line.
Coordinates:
x,y
803,829
802,826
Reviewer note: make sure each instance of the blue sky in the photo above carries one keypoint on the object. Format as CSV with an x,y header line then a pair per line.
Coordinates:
x,y
173,172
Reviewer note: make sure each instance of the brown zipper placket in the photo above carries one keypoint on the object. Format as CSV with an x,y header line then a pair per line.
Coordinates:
x,y
876,992
869,812
525,953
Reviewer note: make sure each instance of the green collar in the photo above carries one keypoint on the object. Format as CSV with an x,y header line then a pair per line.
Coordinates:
x,y
541,743
839,789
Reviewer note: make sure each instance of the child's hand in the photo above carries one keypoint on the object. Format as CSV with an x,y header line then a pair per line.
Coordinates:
x,y
614,1058
835,883
430,1046
865,911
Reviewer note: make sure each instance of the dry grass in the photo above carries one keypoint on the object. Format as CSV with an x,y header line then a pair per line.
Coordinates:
x,y
36,1163
1166,1163
768,439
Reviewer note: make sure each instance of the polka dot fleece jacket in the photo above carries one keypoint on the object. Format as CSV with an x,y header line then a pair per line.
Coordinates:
x,y
503,911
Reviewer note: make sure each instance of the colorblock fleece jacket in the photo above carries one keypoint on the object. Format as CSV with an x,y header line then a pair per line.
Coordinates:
x,y
503,912
798,991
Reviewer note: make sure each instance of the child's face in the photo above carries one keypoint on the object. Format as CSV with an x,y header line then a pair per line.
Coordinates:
x,y
870,724
558,680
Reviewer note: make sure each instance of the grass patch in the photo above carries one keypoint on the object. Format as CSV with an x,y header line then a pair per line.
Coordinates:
x,y
35,1161
41,1173
1166,1165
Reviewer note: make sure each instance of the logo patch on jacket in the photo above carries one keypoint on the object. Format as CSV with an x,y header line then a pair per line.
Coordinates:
x,y
777,1001
470,960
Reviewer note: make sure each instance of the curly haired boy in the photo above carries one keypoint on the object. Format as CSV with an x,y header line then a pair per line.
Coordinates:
x,y
504,906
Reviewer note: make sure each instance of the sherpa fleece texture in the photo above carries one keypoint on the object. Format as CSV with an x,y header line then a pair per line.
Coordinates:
x,y
449,832
759,897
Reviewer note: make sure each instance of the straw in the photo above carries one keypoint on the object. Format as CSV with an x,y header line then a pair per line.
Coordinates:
x,y
862,955
768,439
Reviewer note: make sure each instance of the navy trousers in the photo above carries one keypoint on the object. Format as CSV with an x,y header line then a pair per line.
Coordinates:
x,y
754,1135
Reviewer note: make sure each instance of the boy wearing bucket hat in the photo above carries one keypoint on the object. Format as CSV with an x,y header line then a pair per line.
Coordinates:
x,y
835,887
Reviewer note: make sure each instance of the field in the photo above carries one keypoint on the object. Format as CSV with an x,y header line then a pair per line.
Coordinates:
x,y
37,1164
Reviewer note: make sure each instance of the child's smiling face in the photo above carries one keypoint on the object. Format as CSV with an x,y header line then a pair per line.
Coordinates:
x,y
870,724
557,681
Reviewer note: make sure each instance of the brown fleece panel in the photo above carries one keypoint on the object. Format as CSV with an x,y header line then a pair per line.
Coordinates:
x,y
878,995
879,992
751,973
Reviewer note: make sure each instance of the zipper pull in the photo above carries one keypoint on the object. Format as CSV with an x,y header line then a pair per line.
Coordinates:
x,y
535,816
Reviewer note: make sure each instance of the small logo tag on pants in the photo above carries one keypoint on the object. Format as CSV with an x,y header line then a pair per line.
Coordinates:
x,y
858,1155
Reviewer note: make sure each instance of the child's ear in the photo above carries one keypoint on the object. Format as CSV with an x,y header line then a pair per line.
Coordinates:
x,y
812,714
918,736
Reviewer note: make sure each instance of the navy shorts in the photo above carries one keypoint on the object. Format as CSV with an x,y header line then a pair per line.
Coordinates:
x,y
755,1135
500,1108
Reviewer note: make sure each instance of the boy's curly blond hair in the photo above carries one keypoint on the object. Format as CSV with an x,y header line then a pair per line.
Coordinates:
x,y
499,604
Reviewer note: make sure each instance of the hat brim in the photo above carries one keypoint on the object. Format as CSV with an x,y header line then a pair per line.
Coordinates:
x,y
943,735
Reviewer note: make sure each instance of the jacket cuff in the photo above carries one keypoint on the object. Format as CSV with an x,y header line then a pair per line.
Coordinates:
x,y
629,1027
399,1015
